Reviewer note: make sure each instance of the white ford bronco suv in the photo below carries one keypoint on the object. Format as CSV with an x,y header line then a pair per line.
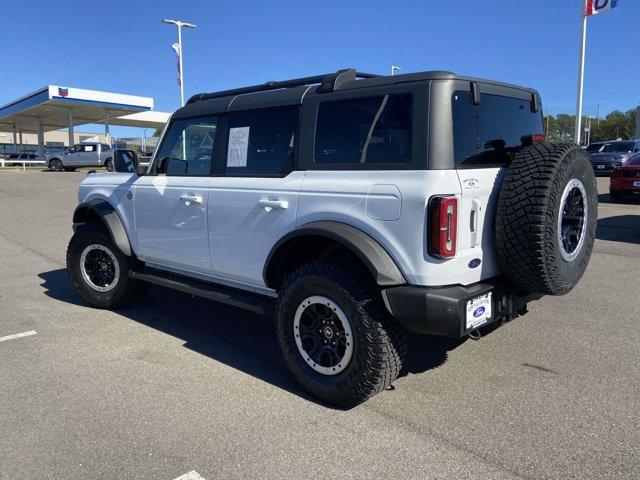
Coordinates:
x,y
358,206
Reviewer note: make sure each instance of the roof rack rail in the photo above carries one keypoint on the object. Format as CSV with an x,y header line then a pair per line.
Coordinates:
x,y
328,83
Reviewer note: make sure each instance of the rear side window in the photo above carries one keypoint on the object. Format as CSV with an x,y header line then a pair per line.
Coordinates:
x,y
491,133
365,130
262,142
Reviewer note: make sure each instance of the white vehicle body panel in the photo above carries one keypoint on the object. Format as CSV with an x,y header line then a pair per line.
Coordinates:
x,y
171,221
243,227
348,196
230,234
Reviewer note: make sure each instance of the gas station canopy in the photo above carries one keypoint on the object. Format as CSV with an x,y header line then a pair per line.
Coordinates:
x,y
54,107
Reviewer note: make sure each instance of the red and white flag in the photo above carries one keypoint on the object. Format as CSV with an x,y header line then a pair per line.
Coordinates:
x,y
593,7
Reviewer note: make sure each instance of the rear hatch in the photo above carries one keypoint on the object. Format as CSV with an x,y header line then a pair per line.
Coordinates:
x,y
486,138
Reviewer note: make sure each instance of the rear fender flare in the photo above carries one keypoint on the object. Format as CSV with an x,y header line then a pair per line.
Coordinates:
x,y
377,260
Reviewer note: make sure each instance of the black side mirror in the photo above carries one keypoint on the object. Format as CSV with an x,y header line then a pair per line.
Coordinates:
x,y
125,161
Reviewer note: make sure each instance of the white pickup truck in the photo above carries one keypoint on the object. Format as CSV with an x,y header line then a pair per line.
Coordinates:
x,y
86,154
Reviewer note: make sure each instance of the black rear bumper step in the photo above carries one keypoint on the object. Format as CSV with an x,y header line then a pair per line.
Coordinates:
x,y
253,302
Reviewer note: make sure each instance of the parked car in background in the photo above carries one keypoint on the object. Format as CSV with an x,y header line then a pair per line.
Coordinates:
x,y
88,154
613,154
625,180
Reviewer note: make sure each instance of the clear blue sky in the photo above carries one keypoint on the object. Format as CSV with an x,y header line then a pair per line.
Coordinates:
x,y
121,46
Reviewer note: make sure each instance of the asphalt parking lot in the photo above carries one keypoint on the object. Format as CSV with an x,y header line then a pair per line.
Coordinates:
x,y
178,384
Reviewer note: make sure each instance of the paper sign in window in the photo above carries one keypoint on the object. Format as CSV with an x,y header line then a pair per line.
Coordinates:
x,y
238,147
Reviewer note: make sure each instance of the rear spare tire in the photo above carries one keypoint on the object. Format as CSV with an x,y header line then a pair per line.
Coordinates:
x,y
546,218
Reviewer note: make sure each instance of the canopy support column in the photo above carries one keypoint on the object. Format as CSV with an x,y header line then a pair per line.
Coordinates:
x,y
40,139
15,140
71,135
106,126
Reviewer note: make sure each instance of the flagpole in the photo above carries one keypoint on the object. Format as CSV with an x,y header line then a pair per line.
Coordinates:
x,y
583,45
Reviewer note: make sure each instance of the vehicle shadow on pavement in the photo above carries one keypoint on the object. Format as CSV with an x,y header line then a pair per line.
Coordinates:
x,y
631,200
232,336
621,228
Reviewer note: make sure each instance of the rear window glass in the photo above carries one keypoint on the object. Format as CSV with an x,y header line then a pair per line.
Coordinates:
x,y
490,133
619,147
365,130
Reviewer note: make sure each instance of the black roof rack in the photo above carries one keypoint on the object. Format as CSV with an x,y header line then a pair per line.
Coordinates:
x,y
328,83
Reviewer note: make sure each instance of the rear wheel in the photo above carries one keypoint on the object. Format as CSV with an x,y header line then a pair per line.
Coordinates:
x,y
109,165
99,270
336,335
55,165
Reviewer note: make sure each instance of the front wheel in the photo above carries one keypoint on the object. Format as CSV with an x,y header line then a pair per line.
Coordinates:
x,y
336,336
99,270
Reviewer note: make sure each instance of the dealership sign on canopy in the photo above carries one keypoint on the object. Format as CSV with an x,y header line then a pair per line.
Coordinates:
x,y
599,6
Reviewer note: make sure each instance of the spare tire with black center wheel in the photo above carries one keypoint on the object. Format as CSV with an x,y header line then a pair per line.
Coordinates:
x,y
546,218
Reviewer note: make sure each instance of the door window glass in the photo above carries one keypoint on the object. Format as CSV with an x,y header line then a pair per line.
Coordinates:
x,y
365,130
262,142
187,148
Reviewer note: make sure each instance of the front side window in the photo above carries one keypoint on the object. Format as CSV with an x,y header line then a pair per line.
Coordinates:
x,y
365,130
262,142
187,148
491,133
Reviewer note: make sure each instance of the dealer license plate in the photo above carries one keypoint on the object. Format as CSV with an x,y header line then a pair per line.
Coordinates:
x,y
636,183
478,311
601,167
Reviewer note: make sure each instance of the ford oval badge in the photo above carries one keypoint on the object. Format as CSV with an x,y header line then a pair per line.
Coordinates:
x,y
479,311
475,263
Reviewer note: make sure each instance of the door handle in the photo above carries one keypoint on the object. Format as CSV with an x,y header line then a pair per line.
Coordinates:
x,y
269,204
475,212
191,198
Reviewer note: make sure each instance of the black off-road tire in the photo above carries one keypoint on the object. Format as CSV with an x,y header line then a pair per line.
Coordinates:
x,y
527,216
379,342
126,291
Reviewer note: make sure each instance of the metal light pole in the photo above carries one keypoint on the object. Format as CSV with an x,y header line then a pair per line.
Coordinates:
x,y
394,69
583,44
178,49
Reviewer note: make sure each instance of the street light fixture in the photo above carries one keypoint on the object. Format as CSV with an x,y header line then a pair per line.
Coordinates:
x,y
395,69
177,47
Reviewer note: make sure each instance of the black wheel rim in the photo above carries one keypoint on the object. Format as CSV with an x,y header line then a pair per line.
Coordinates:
x,y
573,218
99,268
323,335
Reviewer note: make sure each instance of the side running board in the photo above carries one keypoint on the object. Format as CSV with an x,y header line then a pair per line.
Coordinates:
x,y
253,302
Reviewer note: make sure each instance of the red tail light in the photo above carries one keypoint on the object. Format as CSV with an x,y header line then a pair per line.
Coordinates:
x,y
538,137
443,221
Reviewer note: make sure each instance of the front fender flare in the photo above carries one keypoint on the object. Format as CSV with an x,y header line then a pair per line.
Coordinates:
x,y
366,248
109,216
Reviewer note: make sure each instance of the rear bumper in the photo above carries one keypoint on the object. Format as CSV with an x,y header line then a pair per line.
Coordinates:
x,y
443,310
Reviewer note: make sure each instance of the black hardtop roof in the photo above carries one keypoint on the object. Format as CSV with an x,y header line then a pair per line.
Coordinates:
x,y
291,92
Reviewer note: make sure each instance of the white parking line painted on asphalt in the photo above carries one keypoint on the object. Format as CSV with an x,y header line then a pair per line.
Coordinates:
x,y
18,335
192,475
